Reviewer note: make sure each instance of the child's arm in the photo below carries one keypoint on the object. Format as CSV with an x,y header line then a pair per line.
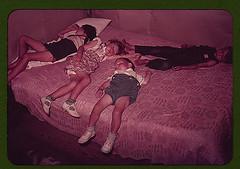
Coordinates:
x,y
90,44
99,92
81,49
71,28
147,77
132,55
196,66
79,53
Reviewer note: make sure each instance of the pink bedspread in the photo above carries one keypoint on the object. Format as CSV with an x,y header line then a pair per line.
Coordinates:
x,y
180,117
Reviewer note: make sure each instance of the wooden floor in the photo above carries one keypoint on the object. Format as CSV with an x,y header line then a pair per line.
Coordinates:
x,y
31,141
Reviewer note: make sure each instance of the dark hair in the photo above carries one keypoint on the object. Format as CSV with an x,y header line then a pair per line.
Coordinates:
x,y
128,60
229,55
120,46
90,32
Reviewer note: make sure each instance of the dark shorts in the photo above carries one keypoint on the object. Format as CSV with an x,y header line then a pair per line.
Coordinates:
x,y
61,49
123,85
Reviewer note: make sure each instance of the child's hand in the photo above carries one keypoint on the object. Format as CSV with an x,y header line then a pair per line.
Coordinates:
x,y
74,27
176,68
99,93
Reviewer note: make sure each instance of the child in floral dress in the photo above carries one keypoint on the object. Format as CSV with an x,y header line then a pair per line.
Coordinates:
x,y
79,68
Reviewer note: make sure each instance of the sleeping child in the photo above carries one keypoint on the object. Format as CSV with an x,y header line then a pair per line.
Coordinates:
x,y
79,68
53,51
121,90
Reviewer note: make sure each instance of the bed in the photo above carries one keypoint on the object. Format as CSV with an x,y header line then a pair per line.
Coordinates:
x,y
179,118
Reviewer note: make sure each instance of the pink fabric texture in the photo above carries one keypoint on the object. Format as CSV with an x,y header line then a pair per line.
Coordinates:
x,y
180,117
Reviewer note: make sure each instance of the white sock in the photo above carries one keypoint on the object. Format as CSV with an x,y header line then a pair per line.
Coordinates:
x,y
90,128
112,136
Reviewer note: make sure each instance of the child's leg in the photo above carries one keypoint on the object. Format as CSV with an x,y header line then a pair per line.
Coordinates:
x,y
24,43
46,101
105,101
160,64
81,85
62,91
84,80
45,56
120,105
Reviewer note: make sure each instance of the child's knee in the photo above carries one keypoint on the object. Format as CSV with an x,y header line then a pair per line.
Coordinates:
x,y
73,83
26,57
23,38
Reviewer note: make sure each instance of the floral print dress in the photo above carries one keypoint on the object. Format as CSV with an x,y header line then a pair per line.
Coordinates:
x,y
90,60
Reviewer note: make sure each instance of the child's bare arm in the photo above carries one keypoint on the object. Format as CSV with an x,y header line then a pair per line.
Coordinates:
x,y
71,28
196,66
79,53
147,77
132,55
90,44
99,92
81,49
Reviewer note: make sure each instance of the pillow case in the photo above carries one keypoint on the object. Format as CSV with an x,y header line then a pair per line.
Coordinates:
x,y
98,23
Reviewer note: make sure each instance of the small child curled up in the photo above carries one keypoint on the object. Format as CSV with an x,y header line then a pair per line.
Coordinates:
x,y
121,90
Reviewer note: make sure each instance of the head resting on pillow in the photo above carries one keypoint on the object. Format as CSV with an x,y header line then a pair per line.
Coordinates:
x,y
90,32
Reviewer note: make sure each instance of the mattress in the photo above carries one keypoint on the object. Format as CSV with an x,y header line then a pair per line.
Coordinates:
x,y
180,117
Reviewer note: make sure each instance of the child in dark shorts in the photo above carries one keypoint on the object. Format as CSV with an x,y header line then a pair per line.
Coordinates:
x,y
51,52
121,90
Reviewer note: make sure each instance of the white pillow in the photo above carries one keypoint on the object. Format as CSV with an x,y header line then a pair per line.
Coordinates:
x,y
98,23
